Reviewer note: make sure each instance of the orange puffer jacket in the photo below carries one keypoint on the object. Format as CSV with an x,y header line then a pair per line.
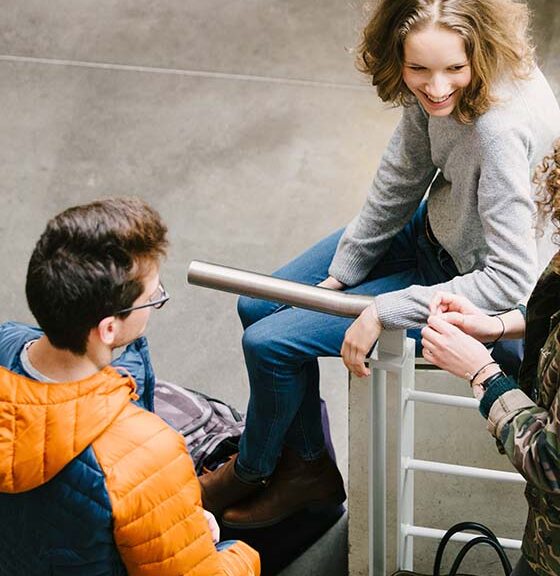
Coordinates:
x,y
87,475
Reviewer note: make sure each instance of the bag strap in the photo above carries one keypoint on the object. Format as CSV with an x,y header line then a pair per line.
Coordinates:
x,y
460,527
481,540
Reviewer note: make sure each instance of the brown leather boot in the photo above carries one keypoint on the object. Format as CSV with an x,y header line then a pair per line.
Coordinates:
x,y
296,484
223,487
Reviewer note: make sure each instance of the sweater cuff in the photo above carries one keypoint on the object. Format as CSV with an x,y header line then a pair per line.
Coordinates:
x,y
506,408
495,390
397,311
348,270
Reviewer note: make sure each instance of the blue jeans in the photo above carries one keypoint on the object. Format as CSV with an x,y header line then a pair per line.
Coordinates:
x,y
281,344
224,545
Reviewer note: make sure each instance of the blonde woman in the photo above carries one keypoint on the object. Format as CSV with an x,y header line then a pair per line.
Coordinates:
x,y
477,116
523,415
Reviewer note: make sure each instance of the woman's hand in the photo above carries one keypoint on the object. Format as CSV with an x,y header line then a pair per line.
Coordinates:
x,y
461,312
331,283
359,340
447,302
451,349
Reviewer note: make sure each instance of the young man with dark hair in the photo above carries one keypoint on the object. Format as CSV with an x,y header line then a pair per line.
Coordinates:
x,y
90,483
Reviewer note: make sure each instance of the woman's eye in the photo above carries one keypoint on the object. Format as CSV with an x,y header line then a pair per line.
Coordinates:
x,y
457,68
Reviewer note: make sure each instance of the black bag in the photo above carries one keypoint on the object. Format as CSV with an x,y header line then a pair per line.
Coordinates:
x,y
488,537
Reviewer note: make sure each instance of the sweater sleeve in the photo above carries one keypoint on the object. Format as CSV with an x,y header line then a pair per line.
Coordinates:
x,y
508,270
403,176
530,436
159,524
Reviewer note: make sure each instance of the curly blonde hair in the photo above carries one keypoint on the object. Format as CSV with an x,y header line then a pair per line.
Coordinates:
x,y
547,180
496,39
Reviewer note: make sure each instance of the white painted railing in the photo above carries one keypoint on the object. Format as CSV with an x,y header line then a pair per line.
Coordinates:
x,y
368,484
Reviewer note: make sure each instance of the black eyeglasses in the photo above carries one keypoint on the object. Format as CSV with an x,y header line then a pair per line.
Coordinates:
x,y
157,300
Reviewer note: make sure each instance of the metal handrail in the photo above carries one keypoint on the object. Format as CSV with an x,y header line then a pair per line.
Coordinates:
x,y
266,287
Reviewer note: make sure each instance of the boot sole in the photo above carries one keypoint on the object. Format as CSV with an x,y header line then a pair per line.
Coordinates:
x,y
312,506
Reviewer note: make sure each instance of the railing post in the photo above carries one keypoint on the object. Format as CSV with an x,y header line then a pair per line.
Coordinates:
x,y
359,537
378,470
367,460
405,447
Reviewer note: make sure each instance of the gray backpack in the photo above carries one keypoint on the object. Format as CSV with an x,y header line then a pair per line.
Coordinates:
x,y
211,428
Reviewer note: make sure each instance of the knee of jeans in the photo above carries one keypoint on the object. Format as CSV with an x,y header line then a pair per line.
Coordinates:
x,y
258,345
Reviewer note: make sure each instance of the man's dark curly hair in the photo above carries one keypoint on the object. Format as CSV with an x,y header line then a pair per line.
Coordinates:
x,y
89,263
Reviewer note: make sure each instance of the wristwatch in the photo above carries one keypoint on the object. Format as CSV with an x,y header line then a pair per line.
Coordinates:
x,y
485,384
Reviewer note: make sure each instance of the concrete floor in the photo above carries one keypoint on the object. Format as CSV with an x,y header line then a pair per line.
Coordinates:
x,y
243,122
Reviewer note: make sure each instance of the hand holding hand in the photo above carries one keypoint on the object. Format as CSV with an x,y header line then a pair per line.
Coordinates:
x,y
447,302
461,312
451,349
359,339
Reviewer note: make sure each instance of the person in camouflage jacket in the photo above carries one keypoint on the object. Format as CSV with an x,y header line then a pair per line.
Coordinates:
x,y
530,433
523,415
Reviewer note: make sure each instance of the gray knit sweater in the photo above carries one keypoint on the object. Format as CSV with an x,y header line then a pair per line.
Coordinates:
x,y
480,204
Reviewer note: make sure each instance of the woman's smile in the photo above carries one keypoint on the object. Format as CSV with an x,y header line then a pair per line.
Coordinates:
x,y
436,68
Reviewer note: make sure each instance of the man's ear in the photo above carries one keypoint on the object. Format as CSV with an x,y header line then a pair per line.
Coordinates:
x,y
107,330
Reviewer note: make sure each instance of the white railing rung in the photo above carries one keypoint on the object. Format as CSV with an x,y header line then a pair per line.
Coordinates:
x,y
470,471
424,532
445,399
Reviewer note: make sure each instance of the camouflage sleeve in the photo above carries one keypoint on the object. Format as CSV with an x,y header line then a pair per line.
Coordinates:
x,y
530,436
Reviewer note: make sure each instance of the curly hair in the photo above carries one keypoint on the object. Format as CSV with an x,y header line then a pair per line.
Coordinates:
x,y
496,39
547,180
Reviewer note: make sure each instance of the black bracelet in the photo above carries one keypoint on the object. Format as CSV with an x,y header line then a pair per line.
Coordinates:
x,y
502,332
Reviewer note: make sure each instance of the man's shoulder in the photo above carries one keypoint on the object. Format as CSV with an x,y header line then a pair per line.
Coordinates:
x,y
13,336
139,446
134,428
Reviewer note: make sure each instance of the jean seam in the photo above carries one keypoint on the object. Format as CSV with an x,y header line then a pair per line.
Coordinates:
x,y
274,423
302,433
